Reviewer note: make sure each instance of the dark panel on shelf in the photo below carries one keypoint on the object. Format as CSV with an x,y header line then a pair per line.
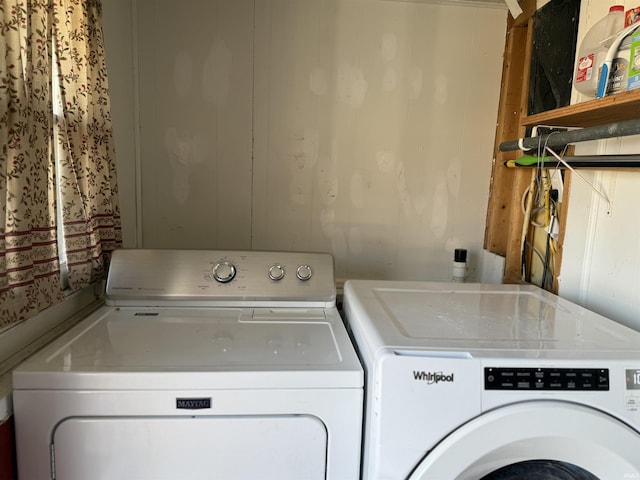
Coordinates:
x,y
553,55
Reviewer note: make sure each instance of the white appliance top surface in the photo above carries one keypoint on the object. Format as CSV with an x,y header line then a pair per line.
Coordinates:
x,y
147,347
483,319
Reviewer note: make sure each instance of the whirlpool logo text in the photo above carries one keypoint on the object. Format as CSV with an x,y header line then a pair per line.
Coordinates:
x,y
432,377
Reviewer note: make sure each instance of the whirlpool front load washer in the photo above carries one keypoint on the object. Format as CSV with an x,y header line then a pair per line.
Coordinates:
x,y
202,365
493,382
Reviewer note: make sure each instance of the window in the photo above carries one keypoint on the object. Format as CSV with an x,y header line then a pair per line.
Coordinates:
x,y
58,189
58,153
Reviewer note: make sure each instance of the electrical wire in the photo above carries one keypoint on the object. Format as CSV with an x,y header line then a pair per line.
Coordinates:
x,y
550,249
537,200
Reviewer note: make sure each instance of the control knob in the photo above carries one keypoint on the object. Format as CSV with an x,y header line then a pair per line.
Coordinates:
x,y
224,271
304,272
276,272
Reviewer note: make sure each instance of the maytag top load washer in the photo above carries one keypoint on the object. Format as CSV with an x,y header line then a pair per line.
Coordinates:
x,y
203,364
493,382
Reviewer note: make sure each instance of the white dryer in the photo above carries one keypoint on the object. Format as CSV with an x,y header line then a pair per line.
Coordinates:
x,y
493,382
203,364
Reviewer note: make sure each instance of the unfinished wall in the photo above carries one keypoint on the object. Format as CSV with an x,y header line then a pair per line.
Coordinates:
x,y
360,127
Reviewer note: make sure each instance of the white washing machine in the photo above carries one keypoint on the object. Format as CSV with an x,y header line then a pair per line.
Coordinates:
x,y
203,364
493,382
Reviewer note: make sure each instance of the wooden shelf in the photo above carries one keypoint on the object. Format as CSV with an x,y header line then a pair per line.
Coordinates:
x,y
601,111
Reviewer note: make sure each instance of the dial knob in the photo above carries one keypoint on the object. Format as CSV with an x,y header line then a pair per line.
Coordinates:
x,y
304,272
276,272
224,271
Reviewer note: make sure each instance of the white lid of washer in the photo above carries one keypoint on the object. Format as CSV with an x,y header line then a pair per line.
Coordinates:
x,y
187,348
482,319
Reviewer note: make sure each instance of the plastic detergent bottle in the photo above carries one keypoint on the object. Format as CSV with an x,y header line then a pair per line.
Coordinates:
x,y
593,49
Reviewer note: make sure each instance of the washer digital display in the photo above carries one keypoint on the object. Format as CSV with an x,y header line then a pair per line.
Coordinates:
x,y
633,379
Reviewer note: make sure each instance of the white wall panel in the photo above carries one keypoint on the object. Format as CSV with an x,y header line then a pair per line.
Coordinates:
x,y
374,131
118,31
601,259
360,127
195,63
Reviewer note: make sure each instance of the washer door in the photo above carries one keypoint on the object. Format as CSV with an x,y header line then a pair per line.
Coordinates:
x,y
585,442
195,448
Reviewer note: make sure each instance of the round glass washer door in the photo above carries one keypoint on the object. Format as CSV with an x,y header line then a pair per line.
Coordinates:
x,y
587,443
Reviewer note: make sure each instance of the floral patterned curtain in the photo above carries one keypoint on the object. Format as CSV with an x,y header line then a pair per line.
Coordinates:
x,y
91,213
29,266
29,271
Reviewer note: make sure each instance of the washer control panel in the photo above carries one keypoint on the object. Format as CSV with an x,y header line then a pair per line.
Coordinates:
x,y
220,277
632,384
567,379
